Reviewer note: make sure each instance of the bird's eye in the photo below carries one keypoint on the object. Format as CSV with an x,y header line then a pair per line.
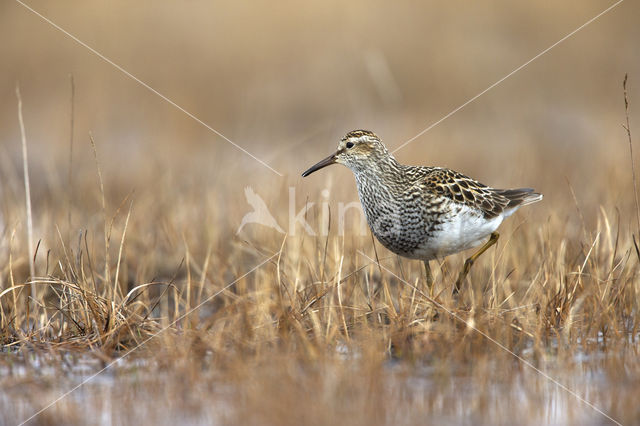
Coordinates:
x,y
349,144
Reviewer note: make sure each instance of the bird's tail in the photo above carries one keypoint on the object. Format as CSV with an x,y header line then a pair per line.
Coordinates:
x,y
520,197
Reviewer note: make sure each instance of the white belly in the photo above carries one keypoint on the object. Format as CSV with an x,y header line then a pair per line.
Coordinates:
x,y
464,230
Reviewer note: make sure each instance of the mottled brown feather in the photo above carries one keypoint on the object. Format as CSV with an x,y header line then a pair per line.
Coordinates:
x,y
464,190
359,133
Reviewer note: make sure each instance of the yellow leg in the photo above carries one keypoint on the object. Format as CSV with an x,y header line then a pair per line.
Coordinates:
x,y
429,275
469,262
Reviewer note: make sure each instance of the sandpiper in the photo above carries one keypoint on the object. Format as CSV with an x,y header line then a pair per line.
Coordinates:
x,y
424,213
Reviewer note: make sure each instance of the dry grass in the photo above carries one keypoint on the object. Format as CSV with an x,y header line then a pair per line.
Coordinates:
x,y
138,268
319,333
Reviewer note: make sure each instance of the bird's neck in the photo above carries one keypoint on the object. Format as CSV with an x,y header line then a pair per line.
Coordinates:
x,y
378,182
381,167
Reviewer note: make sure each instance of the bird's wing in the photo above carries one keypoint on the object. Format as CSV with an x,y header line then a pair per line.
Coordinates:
x,y
464,190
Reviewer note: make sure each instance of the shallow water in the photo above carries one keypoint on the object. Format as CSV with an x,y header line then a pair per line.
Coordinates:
x,y
137,391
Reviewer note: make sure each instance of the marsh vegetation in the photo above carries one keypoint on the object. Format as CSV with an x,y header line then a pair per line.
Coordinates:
x,y
141,303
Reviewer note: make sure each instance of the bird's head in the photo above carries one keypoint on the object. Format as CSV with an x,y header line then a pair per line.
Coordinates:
x,y
357,150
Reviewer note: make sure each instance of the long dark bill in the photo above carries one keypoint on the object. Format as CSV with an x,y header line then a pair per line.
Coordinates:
x,y
324,163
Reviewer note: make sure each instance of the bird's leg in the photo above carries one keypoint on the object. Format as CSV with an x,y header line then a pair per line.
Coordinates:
x,y
469,262
429,275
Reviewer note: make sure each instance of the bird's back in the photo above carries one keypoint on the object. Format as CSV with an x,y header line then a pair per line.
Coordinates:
x,y
463,190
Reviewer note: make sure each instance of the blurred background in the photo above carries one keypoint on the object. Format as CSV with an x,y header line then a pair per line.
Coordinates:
x,y
287,80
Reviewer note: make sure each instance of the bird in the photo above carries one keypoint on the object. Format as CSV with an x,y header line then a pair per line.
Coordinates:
x,y
420,212
260,214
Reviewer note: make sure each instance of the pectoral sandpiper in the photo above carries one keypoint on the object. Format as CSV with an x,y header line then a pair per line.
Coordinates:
x,y
424,212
